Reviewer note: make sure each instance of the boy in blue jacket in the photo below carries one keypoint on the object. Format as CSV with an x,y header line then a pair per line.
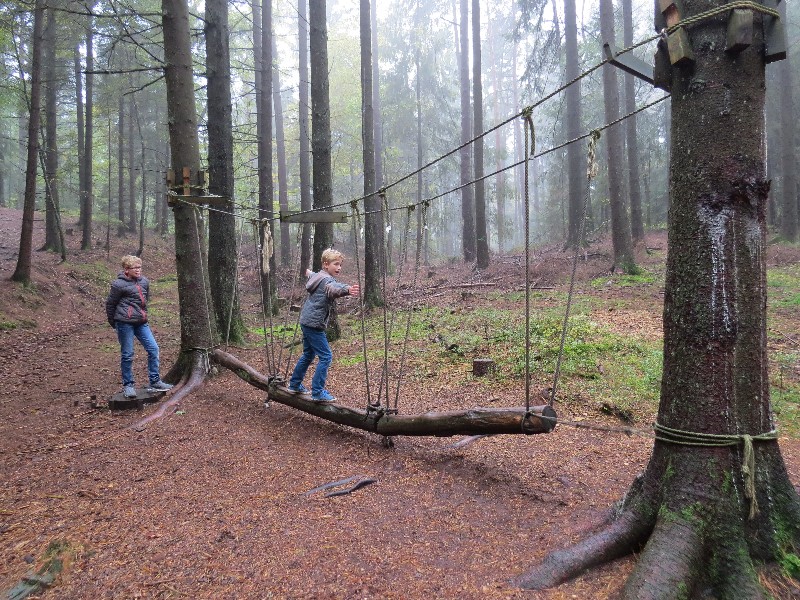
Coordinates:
x,y
323,290
126,311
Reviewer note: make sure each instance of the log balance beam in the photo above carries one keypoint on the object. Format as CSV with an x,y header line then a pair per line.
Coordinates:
x,y
476,421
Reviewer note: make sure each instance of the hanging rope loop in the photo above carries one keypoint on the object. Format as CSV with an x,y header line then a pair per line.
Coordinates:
x,y
527,116
591,166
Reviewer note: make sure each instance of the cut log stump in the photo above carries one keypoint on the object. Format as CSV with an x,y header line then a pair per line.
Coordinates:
x,y
481,367
119,402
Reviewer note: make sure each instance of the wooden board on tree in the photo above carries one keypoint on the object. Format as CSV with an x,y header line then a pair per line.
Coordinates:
x,y
317,216
120,401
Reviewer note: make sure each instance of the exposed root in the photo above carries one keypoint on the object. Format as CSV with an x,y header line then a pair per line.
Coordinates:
x,y
192,380
669,565
623,536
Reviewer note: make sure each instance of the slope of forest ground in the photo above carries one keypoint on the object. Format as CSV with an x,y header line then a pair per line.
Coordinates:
x,y
212,501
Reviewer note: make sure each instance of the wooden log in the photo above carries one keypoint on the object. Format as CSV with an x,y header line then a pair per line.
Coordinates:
x,y
120,402
477,421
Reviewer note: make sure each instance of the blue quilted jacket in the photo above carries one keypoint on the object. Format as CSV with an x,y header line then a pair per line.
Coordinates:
x,y
323,291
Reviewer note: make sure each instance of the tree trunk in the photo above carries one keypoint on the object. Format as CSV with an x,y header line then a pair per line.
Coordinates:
x,y
280,149
576,157
377,121
481,235
320,126
789,197
468,243
222,246
132,225
121,168
632,164
373,238
305,150
620,223
22,272
198,332
692,510
53,240
88,192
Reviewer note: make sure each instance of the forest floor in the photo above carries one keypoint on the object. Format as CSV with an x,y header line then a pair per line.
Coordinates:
x,y
211,501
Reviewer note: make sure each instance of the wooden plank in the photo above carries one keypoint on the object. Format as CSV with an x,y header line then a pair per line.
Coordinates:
x,y
120,402
319,216
629,63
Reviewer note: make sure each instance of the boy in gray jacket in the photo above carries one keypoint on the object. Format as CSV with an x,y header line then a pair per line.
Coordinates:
x,y
323,289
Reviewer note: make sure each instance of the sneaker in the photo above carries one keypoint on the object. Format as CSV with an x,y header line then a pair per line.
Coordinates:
x,y
129,391
300,389
324,396
159,386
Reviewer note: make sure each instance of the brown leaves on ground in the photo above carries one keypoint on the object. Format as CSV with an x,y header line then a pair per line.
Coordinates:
x,y
211,502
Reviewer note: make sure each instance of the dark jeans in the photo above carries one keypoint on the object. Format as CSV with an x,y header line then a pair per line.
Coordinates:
x,y
315,343
125,333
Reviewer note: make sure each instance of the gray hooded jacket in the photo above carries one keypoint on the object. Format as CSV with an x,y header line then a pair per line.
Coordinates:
x,y
127,301
323,291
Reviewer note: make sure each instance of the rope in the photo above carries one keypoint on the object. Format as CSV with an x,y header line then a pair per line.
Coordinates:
x,y
591,172
257,241
383,268
235,285
204,275
294,280
716,440
529,129
362,304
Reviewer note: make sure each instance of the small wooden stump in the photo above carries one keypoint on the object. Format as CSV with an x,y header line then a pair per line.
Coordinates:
x,y
119,402
481,367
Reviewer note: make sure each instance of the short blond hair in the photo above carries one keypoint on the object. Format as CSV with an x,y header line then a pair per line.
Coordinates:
x,y
329,255
129,261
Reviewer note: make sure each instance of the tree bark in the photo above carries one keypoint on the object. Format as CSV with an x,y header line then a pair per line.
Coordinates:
x,y
121,167
320,126
373,234
53,239
198,331
707,512
632,163
222,246
88,140
468,243
789,196
280,150
22,272
305,150
576,158
481,235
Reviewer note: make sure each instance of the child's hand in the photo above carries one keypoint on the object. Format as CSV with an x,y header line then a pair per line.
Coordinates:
x,y
355,290
309,272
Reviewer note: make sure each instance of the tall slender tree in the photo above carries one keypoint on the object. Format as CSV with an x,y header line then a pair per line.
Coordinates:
x,y
280,152
788,116
222,246
573,121
53,240
22,272
481,235
320,125
373,295
468,242
88,139
631,136
305,149
620,223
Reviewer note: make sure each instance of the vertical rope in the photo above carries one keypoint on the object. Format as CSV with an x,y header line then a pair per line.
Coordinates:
x,y
361,302
257,241
529,131
384,268
591,172
294,280
235,285
204,272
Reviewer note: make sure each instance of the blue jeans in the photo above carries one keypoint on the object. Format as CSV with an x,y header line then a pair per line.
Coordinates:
x,y
126,332
315,343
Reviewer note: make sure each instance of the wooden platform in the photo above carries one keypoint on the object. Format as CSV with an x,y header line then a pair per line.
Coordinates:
x,y
119,402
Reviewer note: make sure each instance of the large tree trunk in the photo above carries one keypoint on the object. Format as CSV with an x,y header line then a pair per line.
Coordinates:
x,y
88,140
198,332
481,235
373,239
691,510
22,272
320,126
305,150
132,224
468,244
620,223
121,168
632,162
222,247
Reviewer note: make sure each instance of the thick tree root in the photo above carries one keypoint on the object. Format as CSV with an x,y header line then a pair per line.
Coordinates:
x,y
193,379
625,535
669,565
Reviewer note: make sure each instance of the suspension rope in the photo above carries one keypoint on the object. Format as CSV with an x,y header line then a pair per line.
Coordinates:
x,y
530,131
293,282
259,253
197,217
235,286
356,216
591,172
384,267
